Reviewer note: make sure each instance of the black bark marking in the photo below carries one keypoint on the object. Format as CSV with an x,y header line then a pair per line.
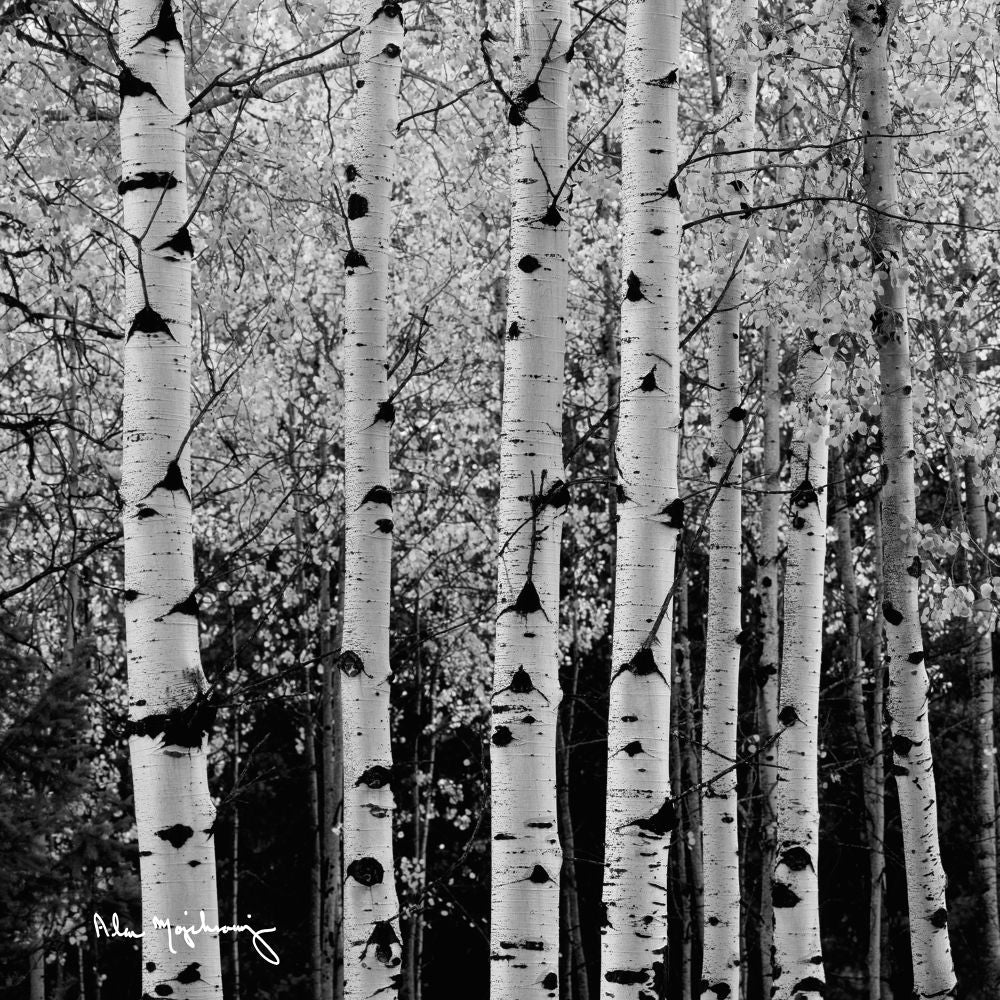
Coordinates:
x,y
148,320
502,736
351,663
633,748
557,495
550,981
675,513
527,602
529,720
176,836
627,977
525,945
386,412
366,871
551,216
528,263
130,595
189,606
357,206
144,513
539,875
915,568
633,288
383,938
183,727
648,383
351,173
642,664
513,331
384,524
917,656
670,80
662,822
530,94
741,637
620,495
891,614
796,859
738,186
189,974
151,179
163,990
377,494
172,481
151,966
375,776
939,918
389,10
788,716
179,243
737,413
354,259
902,745
359,84
391,51
129,85
504,836
798,523
810,985
783,897
166,27
521,682
721,990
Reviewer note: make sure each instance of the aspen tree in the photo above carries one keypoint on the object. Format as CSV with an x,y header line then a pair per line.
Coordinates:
x,y
906,707
640,811
169,714
720,847
768,584
797,969
372,947
526,856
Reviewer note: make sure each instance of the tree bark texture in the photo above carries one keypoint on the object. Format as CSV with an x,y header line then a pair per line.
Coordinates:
x,y
371,934
169,714
641,814
526,855
907,704
720,840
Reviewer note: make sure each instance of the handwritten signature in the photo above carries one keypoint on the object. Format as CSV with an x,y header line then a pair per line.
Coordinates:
x,y
187,932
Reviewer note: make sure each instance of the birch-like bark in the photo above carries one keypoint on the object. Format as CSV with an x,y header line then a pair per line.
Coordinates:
x,y
526,856
641,814
906,701
768,586
797,970
720,841
876,857
372,947
169,716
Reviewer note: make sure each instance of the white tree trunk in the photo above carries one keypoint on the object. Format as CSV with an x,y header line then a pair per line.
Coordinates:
x,y
168,713
526,856
372,948
768,586
906,701
640,812
797,971
721,952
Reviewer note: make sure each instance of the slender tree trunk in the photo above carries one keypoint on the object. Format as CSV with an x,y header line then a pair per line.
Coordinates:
x,y
906,703
36,974
169,715
332,781
797,972
878,985
768,588
720,843
866,748
526,856
690,769
641,813
370,908
333,711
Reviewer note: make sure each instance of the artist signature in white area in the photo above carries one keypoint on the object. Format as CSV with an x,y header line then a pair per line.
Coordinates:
x,y
187,933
